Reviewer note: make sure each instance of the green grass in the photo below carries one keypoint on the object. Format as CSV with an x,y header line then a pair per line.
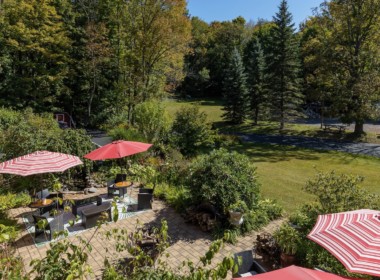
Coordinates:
x,y
284,170
213,108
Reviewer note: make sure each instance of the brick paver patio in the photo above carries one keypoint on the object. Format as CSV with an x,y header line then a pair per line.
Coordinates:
x,y
187,241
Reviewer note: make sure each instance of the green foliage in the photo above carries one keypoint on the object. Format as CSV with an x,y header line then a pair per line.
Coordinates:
x,y
334,193
270,208
177,197
190,131
349,36
283,68
64,260
235,90
254,220
288,239
255,68
11,200
7,233
340,192
11,267
36,43
144,174
152,121
8,118
222,178
126,133
238,206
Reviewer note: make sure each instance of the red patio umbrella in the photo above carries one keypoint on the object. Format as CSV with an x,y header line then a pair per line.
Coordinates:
x,y
39,162
352,237
118,149
295,273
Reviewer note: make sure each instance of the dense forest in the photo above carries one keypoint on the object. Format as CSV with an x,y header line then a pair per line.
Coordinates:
x,y
96,58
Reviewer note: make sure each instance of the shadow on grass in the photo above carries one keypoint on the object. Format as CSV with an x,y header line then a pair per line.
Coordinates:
x,y
275,152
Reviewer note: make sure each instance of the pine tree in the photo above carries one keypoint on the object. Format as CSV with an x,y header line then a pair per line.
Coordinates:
x,y
284,68
235,90
255,67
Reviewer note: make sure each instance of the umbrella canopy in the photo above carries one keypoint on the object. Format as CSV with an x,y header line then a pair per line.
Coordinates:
x,y
39,162
352,237
294,273
118,149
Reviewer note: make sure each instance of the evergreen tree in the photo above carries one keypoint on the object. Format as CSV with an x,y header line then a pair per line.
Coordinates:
x,y
284,68
235,90
255,68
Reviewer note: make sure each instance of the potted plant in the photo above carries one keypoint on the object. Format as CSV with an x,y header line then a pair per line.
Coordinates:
x,y
288,239
236,212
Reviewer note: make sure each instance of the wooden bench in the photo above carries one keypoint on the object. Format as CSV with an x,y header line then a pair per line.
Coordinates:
x,y
91,215
340,127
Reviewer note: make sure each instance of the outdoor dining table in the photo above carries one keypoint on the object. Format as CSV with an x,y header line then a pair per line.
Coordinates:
x,y
41,205
123,187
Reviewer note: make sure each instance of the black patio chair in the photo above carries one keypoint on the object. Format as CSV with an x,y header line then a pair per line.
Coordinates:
x,y
248,265
144,201
120,178
52,227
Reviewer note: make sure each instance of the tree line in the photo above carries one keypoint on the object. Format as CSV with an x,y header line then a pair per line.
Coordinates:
x,y
268,70
94,58
90,58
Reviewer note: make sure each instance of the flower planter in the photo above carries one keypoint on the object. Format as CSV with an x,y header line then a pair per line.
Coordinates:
x,y
236,218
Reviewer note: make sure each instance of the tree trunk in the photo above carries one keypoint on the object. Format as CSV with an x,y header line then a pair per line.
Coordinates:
x,y
256,115
359,128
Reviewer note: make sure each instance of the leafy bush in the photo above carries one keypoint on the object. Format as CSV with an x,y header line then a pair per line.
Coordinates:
x,y
271,209
191,132
222,178
177,197
152,121
11,200
254,220
340,192
8,233
126,133
8,118
11,267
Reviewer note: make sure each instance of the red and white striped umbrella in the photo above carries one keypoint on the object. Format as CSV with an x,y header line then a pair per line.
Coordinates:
x,y
352,237
39,162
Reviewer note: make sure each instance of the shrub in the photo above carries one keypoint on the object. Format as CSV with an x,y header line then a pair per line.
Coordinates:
x,y
152,121
177,197
222,178
126,133
191,132
11,200
271,209
8,118
340,192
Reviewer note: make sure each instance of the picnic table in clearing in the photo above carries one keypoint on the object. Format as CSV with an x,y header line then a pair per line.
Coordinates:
x,y
340,127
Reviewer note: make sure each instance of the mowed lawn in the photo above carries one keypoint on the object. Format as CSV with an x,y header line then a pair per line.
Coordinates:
x,y
284,170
